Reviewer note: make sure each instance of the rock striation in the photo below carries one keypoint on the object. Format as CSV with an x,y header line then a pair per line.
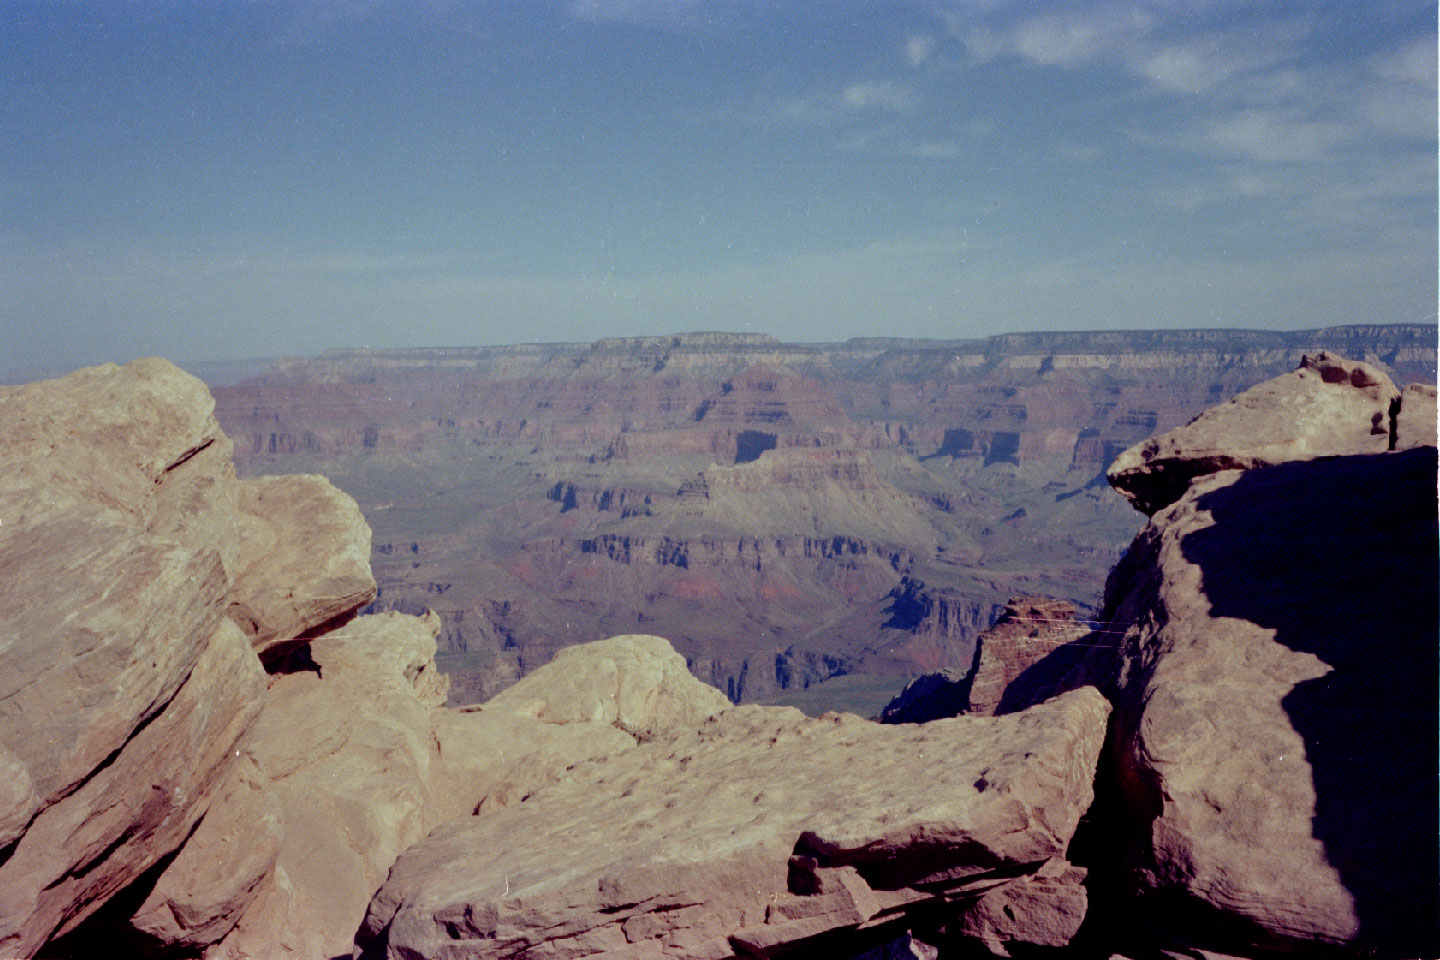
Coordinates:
x,y
124,687
495,478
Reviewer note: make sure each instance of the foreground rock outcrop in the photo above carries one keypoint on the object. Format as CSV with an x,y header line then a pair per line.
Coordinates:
x,y
124,687
1275,728
161,792
205,752
763,829
1328,406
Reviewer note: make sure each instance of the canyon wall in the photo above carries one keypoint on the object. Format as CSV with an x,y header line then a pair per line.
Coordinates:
x,y
208,751
789,514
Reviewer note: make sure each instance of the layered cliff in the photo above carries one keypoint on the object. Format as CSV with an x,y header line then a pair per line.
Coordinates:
x,y
497,480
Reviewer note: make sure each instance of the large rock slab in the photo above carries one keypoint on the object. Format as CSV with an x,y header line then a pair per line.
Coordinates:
x,y
138,808
347,753
758,831
304,560
1329,406
1275,708
358,760
122,689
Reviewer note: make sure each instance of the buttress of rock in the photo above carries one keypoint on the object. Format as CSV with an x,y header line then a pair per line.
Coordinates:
x,y
762,831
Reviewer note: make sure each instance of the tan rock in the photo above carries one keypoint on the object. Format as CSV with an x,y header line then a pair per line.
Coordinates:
x,y
78,852
363,761
637,683
1045,909
304,560
1275,708
1327,407
117,538
591,701
1415,421
688,839
219,872
348,755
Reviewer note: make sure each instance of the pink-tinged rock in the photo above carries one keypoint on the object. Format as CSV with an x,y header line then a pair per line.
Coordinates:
x,y
363,761
1327,407
688,839
304,560
1275,733
591,701
219,872
347,754
1044,909
1415,421
117,538
81,850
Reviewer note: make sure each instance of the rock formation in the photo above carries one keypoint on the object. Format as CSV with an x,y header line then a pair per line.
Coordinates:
x,y
161,793
125,688
205,752
1275,729
500,480
761,830
1327,407
1019,661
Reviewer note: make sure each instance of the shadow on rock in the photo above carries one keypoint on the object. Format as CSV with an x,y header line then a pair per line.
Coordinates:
x,y
1347,571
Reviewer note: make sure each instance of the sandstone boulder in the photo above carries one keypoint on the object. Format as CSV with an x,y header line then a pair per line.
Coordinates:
x,y
1329,406
760,831
347,754
1275,731
357,760
304,560
217,875
124,689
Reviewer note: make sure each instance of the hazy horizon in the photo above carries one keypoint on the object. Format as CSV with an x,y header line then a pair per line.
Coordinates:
x,y
234,181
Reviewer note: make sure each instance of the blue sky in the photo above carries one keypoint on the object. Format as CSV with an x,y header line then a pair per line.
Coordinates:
x,y
234,179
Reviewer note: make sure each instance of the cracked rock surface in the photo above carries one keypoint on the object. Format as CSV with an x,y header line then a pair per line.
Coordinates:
x,y
761,829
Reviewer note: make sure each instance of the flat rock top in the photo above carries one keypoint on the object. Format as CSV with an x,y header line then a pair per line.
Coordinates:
x,y
958,797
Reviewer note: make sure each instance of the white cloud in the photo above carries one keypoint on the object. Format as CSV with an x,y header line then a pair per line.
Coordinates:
x,y
1079,37
881,95
1273,136
919,48
1412,63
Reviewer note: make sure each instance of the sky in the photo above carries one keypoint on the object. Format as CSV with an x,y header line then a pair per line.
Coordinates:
x,y
226,179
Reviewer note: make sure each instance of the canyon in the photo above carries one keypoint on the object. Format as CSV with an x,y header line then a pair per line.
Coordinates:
x,y
210,751
812,524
